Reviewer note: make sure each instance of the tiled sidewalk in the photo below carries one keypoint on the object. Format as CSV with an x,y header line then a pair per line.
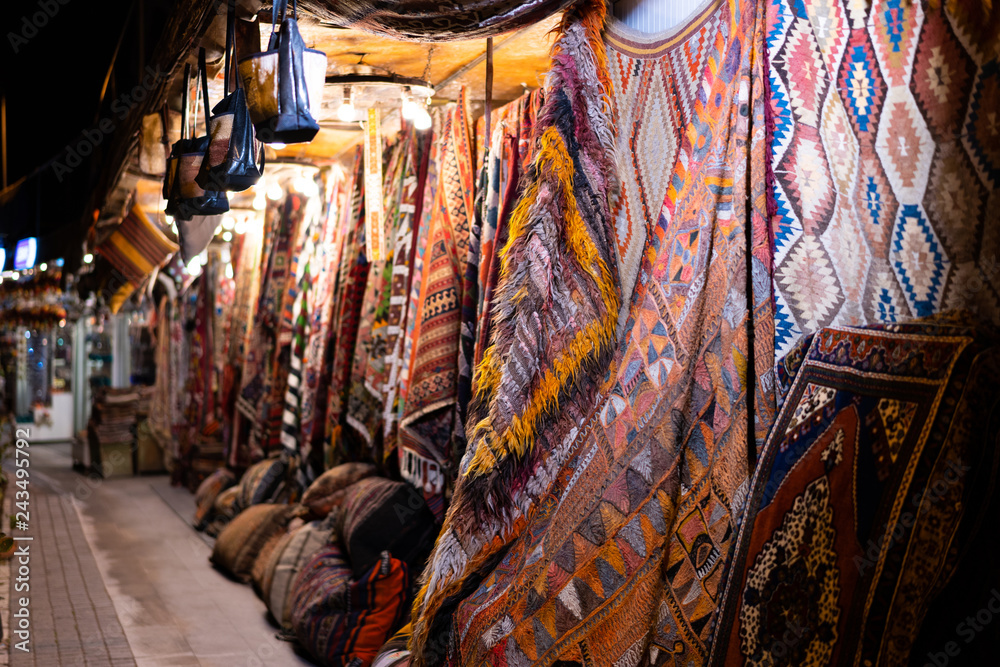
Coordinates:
x,y
73,621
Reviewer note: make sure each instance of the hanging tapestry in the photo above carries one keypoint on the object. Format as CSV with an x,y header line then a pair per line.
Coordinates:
x,y
366,402
410,212
426,428
620,517
351,278
408,459
855,511
886,159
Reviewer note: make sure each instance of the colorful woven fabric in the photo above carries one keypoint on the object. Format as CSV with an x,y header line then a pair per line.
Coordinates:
x,y
136,248
381,515
425,430
260,482
369,373
617,539
328,490
345,623
289,556
856,511
351,278
886,162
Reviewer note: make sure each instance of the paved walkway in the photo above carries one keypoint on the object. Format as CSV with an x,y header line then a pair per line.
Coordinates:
x,y
118,577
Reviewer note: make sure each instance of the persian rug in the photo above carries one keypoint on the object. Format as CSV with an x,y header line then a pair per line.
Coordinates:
x,y
351,278
366,402
425,430
858,508
622,513
886,161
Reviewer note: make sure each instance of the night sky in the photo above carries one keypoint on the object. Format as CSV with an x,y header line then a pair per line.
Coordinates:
x,y
54,55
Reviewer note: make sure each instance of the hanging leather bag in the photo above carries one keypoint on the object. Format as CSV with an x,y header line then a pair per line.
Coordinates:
x,y
284,85
192,199
234,160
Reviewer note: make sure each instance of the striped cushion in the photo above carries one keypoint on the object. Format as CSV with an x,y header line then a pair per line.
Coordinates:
x,y
342,623
327,491
137,247
287,560
382,515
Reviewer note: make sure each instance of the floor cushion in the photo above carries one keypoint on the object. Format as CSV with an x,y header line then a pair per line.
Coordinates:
x,y
240,542
207,492
382,515
262,481
287,559
328,490
342,622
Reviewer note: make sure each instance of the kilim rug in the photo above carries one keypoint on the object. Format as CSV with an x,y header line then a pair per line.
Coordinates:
x,y
351,278
623,514
366,402
861,501
887,161
428,416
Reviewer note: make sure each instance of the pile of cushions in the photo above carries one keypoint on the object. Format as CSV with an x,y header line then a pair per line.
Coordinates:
x,y
340,585
207,492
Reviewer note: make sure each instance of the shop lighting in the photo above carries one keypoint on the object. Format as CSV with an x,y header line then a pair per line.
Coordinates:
x,y
259,203
241,225
88,258
218,230
228,222
227,236
409,108
422,119
274,191
229,271
43,266
3,258
346,112
277,145
60,262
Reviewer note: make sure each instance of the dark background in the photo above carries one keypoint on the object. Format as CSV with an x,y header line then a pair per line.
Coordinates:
x,y
52,84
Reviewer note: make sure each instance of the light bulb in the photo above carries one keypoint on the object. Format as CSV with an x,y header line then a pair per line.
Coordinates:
x,y
218,230
299,183
229,271
169,219
277,145
422,120
43,266
259,204
241,226
346,111
88,258
228,222
409,108
227,236
274,192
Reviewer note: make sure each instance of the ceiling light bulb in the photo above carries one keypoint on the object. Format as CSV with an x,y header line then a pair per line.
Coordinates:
x,y
227,236
228,222
274,192
346,111
259,204
299,184
43,266
422,120
88,258
409,107
241,226
277,145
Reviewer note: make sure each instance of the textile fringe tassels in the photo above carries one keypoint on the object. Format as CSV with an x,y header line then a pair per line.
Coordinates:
x,y
553,324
